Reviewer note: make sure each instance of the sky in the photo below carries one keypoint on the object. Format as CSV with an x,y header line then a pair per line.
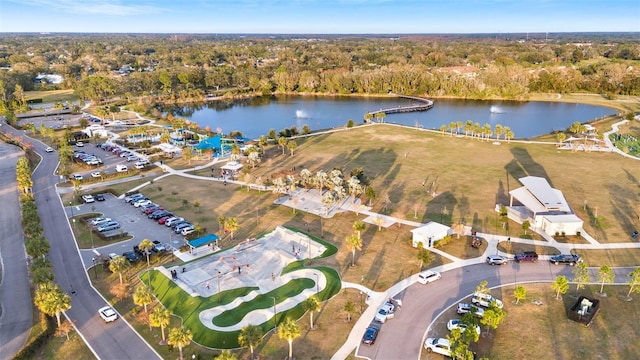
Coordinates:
x,y
319,16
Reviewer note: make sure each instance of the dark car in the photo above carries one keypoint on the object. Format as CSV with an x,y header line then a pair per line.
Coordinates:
x,y
531,256
371,334
99,197
567,259
131,256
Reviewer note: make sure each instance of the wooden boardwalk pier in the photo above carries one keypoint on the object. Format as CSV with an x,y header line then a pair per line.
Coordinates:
x,y
424,105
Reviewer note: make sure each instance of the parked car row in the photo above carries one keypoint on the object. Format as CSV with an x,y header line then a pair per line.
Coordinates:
x,y
124,153
162,216
387,311
88,159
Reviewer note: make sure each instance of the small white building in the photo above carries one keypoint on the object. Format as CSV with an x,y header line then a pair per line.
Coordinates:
x,y
429,233
545,207
95,129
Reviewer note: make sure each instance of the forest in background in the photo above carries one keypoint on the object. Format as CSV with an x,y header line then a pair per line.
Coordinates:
x,y
190,67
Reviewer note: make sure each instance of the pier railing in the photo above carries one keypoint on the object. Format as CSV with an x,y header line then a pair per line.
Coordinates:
x,y
424,105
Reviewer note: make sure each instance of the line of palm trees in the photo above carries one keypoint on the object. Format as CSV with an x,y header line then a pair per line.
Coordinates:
x,y
476,130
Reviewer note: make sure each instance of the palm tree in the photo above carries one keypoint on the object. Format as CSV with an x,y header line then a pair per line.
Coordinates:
x,y
51,300
221,221
231,225
251,336
498,131
292,145
180,337
349,308
354,243
146,245
358,227
142,296
282,142
443,129
160,317
311,304
289,331
117,265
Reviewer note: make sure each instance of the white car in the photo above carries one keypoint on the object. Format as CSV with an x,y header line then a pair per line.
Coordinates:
x,y
95,174
428,276
464,308
438,346
88,198
48,149
108,314
99,221
142,203
386,312
173,220
188,230
78,177
139,165
458,324
121,168
483,299
79,144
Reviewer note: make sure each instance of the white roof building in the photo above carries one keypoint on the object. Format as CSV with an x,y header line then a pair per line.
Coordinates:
x,y
545,207
429,234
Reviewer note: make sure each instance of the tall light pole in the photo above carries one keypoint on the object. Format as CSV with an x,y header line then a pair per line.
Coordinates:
x,y
218,285
95,270
275,320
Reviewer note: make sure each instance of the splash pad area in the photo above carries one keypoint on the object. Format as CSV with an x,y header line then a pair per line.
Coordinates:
x,y
257,282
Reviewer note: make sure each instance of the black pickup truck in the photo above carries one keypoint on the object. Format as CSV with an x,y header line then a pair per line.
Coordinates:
x,y
567,259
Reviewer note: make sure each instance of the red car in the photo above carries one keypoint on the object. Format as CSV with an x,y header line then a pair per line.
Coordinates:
x,y
162,220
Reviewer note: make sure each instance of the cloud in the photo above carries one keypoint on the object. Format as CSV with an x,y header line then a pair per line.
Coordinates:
x,y
102,7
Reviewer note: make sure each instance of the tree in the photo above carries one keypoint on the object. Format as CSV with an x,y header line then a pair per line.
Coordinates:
x,y
226,355
311,304
160,317
634,282
560,285
581,276
23,175
605,275
482,287
146,245
354,242
358,227
292,145
493,316
37,246
520,293
51,300
221,221
187,154
425,256
231,225
117,265
180,337
282,142
288,330
370,193
250,336
525,226
142,296
350,309
64,329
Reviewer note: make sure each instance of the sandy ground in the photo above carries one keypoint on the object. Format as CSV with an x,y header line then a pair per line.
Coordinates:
x,y
252,263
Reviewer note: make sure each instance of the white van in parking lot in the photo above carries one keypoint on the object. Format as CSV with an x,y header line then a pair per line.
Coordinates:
x,y
121,168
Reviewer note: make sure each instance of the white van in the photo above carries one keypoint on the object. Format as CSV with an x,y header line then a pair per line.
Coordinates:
x,y
484,299
121,168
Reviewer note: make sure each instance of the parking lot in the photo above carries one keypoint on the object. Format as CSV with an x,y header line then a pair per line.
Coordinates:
x,y
110,160
132,221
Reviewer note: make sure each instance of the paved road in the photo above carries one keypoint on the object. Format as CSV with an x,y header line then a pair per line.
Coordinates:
x,y
15,318
108,341
403,336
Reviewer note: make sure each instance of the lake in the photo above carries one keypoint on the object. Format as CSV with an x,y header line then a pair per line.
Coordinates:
x,y
256,116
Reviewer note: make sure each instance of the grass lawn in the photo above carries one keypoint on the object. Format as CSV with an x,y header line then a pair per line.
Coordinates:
x,y
51,96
